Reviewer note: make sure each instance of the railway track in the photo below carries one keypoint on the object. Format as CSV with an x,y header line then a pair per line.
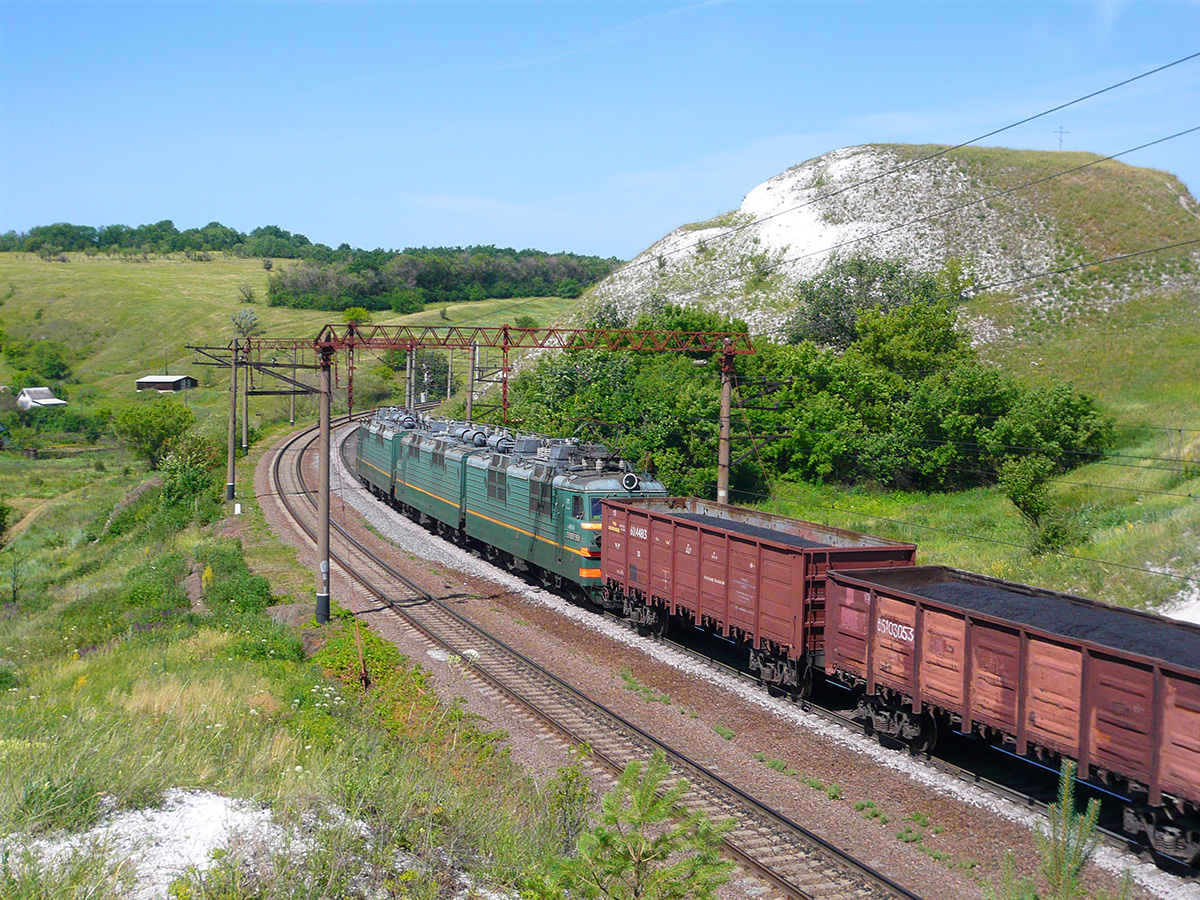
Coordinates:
x,y
1022,782
797,862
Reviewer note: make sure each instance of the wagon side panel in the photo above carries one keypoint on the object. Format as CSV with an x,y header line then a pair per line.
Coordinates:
x,y
1053,695
714,598
943,659
1122,716
638,551
893,633
686,546
1180,744
662,558
780,604
995,655
743,583
614,545
846,631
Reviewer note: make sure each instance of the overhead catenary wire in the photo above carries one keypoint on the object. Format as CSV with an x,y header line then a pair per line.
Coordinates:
x,y
984,199
916,162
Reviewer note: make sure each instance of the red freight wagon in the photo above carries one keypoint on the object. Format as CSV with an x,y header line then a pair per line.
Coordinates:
x,y
1050,674
751,576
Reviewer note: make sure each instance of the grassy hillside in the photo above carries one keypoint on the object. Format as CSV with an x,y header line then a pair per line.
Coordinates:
x,y
1139,357
123,319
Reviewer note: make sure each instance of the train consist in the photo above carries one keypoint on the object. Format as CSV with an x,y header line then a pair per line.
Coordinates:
x,y
1046,674
927,649
754,578
518,500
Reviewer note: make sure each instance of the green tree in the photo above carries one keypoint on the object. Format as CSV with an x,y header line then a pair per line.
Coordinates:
x,y
150,429
918,338
1025,481
246,323
645,846
828,306
356,315
1065,845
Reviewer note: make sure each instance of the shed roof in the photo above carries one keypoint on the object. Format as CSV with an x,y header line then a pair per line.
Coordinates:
x,y
39,396
163,379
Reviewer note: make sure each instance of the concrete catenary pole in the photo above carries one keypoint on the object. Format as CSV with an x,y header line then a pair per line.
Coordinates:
x,y
324,444
246,405
233,377
292,398
471,384
723,442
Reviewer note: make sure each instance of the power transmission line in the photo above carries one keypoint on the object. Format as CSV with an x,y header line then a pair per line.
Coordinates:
x,y
916,162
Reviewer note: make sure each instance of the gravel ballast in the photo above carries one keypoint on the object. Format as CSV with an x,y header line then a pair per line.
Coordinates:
x,y
939,837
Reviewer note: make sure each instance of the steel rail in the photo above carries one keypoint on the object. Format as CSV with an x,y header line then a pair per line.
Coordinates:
x,y
1013,794
780,849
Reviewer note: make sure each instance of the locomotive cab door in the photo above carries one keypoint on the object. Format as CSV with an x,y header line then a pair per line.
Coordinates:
x,y
560,525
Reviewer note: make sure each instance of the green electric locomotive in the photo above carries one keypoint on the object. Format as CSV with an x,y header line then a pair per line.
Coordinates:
x,y
520,501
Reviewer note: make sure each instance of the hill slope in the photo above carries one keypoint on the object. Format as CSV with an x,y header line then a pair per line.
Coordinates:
x,y
1008,214
1127,333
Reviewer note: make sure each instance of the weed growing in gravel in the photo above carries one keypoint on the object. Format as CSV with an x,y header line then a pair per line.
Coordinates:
x,y
648,694
723,732
870,811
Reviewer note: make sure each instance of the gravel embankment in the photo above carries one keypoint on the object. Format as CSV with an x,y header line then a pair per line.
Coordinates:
x,y
964,826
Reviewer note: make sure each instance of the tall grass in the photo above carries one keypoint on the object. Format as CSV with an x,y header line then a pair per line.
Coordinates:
x,y
116,692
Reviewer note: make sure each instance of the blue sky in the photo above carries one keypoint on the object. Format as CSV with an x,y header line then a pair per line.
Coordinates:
x,y
595,127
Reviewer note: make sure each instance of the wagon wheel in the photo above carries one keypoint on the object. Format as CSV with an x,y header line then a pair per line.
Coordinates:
x,y
927,739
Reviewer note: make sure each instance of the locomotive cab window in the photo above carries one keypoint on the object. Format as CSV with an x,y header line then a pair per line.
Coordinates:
x,y
541,498
577,507
595,508
497,485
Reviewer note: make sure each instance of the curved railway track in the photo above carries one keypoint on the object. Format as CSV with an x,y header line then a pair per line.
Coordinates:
x,y
1022,782
796,861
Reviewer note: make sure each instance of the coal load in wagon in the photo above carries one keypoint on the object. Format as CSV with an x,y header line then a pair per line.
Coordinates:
x,y
755,531
1058,614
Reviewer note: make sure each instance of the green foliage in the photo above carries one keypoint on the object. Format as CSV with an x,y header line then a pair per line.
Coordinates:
x,y
246,323
405,282
830,304
1066,845
235,589
1025,481
38,361
149,429
644,847
6,514
73,803
356,315
908,404
79,872
1069,841
569,794
189,468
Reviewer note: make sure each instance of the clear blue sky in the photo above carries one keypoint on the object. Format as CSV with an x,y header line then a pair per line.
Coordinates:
x,y
595,127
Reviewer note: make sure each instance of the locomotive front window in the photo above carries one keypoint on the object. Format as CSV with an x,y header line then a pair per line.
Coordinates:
x,y
595,508
577,507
